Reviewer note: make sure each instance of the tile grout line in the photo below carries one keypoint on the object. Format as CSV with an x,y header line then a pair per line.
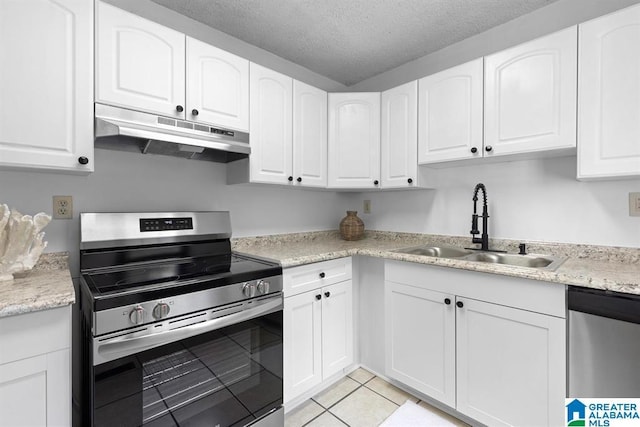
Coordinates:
x,y
327,409
360,385
383,396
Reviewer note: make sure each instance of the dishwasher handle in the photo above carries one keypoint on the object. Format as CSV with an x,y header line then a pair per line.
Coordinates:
x,y
614,305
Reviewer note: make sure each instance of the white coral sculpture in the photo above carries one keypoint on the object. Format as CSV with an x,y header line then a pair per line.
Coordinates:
x,y
21,241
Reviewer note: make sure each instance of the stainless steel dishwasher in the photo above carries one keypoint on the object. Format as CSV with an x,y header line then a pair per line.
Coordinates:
x,y
604,343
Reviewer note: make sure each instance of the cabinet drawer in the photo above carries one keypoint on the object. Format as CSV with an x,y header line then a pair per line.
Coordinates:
x,y
312,276
31,334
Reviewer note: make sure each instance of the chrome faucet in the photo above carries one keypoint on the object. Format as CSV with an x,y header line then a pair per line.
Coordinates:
x,y
484,240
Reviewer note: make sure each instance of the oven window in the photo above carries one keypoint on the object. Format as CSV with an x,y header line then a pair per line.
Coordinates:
x,y
227,377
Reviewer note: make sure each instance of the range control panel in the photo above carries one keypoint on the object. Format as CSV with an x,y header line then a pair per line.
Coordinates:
x,y
163,224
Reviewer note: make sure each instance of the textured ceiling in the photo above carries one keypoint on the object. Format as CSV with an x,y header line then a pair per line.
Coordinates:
x,y
351,40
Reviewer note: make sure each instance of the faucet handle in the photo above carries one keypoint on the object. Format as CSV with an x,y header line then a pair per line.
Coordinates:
x,y
474,224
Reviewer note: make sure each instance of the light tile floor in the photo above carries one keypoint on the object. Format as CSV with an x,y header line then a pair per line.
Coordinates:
x,y
359,400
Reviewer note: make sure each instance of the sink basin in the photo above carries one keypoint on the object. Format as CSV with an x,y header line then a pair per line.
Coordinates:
x,y
531,261
438,251
542,262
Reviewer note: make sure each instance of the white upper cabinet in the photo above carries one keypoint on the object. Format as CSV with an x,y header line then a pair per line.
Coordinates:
x,y
46,85
148,67
217,86
450,120
271,96
354,140
609,96
309,135
530,96
399,136
139,64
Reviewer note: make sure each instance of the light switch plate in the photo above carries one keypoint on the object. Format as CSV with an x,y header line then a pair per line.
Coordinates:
x,y
634,204
366,208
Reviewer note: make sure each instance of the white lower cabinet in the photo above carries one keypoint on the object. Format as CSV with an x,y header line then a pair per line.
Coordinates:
x,y
510,364
35,369
491,347
426,362
318,331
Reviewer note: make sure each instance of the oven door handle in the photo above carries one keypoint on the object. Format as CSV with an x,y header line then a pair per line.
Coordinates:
x,y
125,346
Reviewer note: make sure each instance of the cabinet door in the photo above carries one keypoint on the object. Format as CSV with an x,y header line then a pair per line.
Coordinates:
x,y
609,96
510,365
302,343
399,136
530,96
271,114
309,135
354,140
46,81
450,118
217,86
36,391
139,64
337,327
420,339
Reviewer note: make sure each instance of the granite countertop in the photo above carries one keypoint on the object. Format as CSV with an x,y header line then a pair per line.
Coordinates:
x,y
599,267
47,286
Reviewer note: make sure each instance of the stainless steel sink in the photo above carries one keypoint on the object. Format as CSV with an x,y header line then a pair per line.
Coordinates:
x,y
542,262
437,251
531,261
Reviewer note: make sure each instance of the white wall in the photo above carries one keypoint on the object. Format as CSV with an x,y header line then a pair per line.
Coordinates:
x,y
130,182
529,200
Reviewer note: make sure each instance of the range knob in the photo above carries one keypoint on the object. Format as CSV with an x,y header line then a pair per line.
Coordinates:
x,y
249,290
161,310
137,315
263,287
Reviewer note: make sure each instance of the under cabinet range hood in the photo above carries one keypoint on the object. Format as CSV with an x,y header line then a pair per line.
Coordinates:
x,y
127,130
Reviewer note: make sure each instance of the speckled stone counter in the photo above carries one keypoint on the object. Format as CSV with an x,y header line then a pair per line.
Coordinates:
x,y
47,286
601,267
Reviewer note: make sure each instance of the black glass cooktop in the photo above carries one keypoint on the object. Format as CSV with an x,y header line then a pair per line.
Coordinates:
x,y
126,276
154,274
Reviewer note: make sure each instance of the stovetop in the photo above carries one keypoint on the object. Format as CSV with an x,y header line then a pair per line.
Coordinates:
x,y
136,257
133,281
157,274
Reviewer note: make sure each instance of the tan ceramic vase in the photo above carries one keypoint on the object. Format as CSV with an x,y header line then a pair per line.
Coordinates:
x,y
351,227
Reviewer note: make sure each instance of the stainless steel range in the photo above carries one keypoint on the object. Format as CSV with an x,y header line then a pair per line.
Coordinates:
x,y
172,328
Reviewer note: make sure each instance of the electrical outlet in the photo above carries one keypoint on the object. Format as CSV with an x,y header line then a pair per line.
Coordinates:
x,y
62,207
634,204
367,206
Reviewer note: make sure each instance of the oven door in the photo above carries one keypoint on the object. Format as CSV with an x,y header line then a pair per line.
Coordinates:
x,y
225,375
